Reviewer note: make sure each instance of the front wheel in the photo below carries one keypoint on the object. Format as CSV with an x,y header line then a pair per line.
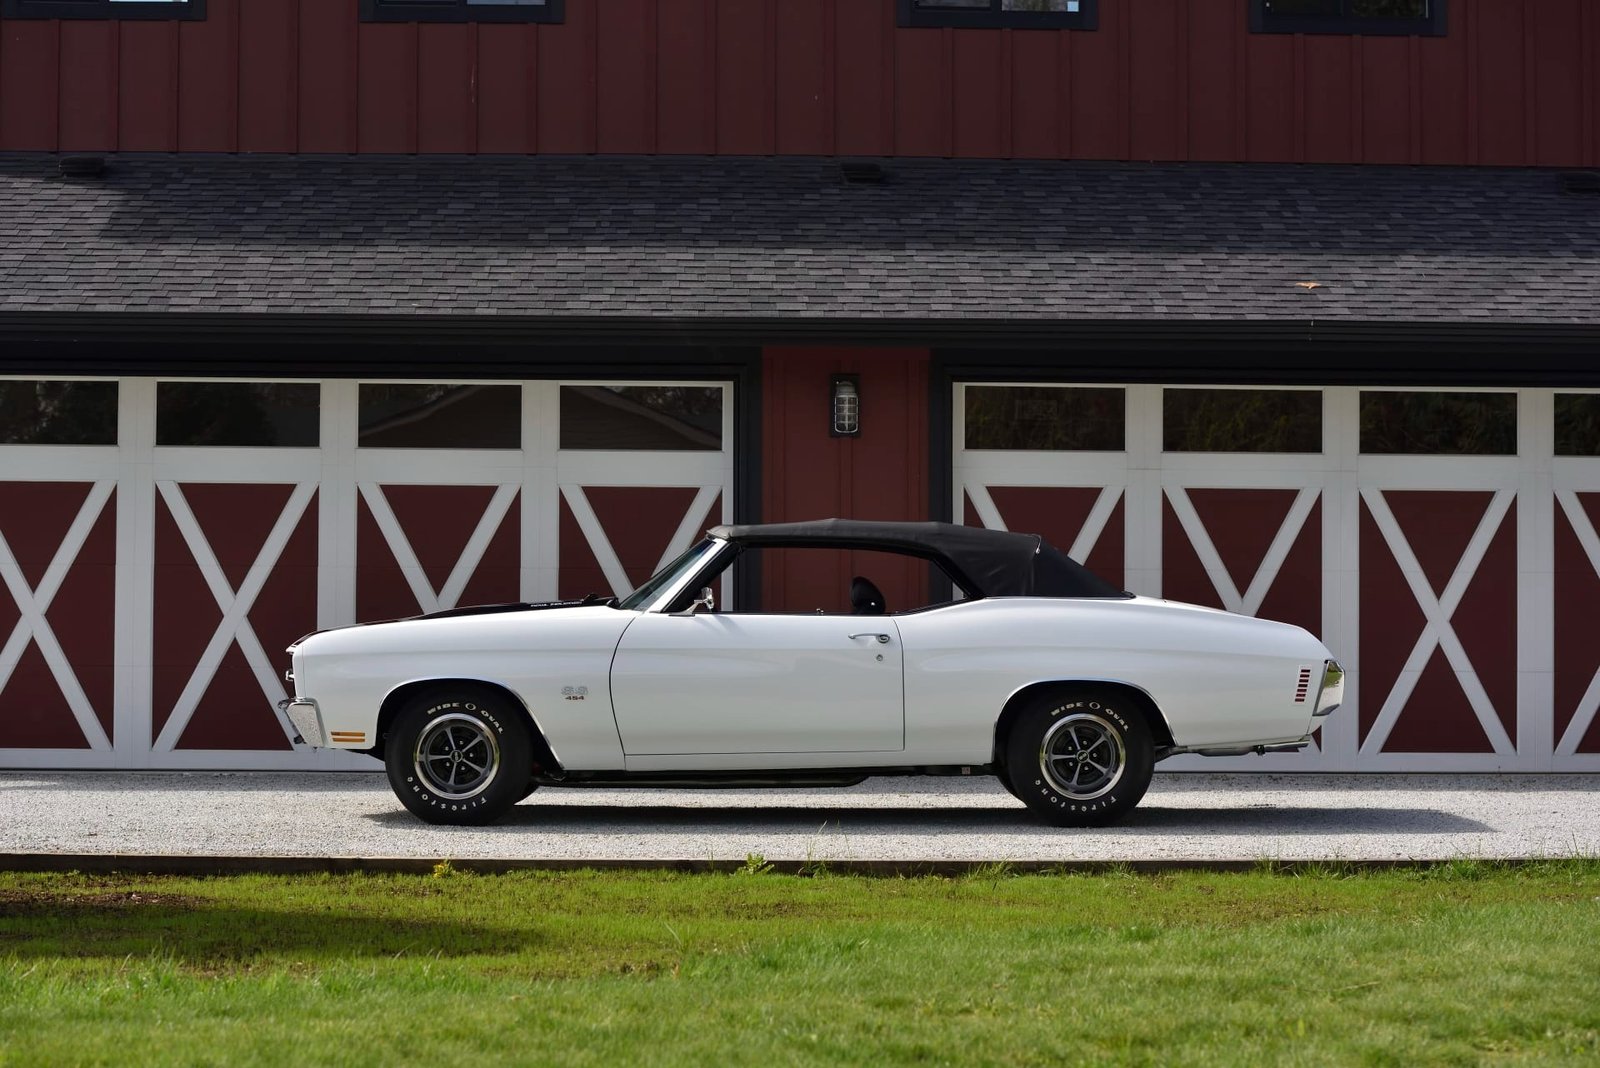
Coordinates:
x,y
1080,759
459,756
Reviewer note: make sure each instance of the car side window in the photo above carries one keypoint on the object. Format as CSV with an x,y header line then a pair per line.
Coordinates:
x,y
826,581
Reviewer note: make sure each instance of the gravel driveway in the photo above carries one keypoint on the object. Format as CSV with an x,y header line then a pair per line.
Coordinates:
x,y
1185,817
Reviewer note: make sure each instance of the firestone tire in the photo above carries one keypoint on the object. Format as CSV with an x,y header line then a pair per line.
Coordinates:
x,y
459,756
1080,759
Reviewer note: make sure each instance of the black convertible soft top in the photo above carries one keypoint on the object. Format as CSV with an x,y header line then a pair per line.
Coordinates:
x,y
986,563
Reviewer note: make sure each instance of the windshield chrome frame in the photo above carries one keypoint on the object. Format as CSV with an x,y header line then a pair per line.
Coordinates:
x,y
664,597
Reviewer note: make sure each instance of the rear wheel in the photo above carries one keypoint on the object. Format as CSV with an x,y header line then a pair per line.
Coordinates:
x,y
1081,758
459,756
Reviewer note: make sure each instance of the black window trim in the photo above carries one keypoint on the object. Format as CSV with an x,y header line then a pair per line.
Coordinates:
x,y
188,11
1088,18
460,11
1433,24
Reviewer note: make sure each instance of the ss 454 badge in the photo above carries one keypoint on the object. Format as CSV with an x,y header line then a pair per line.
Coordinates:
x,y
574,693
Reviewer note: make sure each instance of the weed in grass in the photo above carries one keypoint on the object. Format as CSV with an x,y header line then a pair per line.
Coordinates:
x,y
754,864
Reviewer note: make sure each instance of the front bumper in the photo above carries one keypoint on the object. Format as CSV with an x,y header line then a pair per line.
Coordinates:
x,y
306,717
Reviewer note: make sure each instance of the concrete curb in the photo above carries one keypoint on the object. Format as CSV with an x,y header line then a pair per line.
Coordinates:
x,y
173,864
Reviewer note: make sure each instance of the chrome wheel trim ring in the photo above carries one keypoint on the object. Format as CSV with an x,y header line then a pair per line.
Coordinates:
x,y
1082,756
456,756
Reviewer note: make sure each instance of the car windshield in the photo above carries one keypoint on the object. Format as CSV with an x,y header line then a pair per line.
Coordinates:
x,y
668,575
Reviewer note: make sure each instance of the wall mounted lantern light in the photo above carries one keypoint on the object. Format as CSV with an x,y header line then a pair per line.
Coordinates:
x,y
845,411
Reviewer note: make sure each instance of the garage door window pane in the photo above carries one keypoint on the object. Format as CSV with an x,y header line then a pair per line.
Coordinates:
x,y
1046,417
439,416
1439,424
675,418
1242,420
281,414
58,413
1578,424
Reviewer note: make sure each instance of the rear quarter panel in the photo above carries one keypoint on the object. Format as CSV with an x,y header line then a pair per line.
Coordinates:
x,y
1218,679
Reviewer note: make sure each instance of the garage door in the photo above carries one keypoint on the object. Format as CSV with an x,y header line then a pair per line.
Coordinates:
x,y
1442,542
162,541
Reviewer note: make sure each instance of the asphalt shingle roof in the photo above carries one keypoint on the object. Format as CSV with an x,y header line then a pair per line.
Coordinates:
x,y
698,238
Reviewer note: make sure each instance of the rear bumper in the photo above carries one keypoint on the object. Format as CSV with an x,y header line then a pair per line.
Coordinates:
x,y
1331,694
306,718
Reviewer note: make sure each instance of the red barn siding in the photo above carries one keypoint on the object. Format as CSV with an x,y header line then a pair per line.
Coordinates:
x,y
1513,83
807,474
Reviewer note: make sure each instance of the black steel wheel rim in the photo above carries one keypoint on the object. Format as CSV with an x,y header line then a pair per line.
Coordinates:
x,y
1082,756
457,756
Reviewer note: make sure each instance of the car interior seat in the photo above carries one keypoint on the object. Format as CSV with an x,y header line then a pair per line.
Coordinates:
x,y
865,598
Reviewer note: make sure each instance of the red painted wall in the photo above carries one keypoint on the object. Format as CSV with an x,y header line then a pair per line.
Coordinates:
x,y
1516,82
807,474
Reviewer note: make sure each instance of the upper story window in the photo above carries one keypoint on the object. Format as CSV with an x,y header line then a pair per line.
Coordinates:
x,y
1019,14
1421,17
463,10
103,9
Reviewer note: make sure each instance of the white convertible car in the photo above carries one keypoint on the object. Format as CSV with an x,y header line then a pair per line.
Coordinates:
x,y
1039,673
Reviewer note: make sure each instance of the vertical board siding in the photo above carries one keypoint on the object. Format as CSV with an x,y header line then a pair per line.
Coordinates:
x,y
1513,83
147,87
625,77
1214,47
268,77
29,82
565,92
507,84
89,53
686,86
208,80
387,84
744,78
803,79
1155,101
977,92
326,67
1095,91
447,87
863,112
806,473
1328,117
1385,95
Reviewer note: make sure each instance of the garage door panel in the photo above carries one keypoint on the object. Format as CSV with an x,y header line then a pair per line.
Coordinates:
x,y
424,548
57,613
613,538
1083,521
1453,556
228,555
1437,716
232,713
1577,593
1245,550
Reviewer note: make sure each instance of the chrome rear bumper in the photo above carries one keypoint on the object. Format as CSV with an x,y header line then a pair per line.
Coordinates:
x,y
1331,695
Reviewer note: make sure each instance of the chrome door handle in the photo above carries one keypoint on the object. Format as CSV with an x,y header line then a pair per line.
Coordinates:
x,y
883,639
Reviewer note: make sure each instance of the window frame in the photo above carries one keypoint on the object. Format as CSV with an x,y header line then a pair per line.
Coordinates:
x,y
187,11
1087,18
1433,24
553,11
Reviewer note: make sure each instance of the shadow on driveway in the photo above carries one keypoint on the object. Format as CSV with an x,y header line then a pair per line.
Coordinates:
x,y
1151,821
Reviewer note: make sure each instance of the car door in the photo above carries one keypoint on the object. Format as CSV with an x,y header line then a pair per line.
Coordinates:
x,y
759,684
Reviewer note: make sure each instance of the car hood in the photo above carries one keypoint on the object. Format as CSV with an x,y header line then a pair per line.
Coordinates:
x,y
468,610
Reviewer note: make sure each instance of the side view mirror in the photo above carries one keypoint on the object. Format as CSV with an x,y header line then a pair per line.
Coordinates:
x,y
706,600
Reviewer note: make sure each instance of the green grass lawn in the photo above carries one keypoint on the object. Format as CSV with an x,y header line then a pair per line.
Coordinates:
x,y
1465,964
